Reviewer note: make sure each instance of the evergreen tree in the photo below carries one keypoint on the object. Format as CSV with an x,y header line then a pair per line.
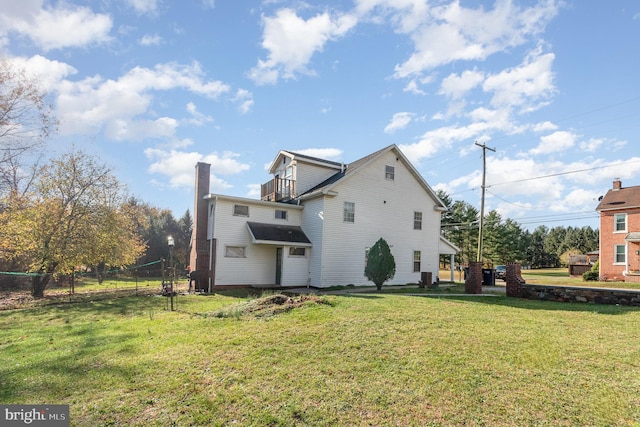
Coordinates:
x,y
381,266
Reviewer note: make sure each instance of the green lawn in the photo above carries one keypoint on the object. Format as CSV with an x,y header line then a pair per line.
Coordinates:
x,y
364,359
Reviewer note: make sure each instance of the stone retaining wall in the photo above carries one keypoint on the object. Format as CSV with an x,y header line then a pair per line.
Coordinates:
x,y
580,294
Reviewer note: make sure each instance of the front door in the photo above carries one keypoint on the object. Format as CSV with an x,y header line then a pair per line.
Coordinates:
x,y
278,266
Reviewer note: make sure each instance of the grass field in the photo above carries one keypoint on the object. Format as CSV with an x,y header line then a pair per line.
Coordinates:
x,y
352,360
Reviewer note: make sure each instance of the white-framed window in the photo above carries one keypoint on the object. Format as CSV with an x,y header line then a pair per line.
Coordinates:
x,y
417,255
417,220
281,214
389,173
620,222
241,210
297,252
349,212
235,251
620,255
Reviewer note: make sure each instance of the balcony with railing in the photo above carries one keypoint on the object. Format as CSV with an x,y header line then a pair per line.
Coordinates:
x,y
278,190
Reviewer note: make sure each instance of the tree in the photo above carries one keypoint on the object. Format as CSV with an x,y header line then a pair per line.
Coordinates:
x,y
381,266
462,231
26,121
75,215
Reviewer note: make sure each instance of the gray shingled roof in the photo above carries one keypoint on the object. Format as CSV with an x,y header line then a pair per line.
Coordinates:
x,y
278,233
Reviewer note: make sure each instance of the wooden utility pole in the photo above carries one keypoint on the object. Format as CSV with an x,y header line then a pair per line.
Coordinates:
x,y
484,176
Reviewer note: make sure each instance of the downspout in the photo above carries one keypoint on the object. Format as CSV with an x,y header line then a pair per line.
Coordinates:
x,y
210,262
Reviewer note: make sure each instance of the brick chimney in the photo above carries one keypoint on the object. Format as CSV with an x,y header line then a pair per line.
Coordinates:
x,y
617,184
199,253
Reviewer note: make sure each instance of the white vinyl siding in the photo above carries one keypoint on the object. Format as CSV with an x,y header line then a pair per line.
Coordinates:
x,y
309,175
385,209
258,267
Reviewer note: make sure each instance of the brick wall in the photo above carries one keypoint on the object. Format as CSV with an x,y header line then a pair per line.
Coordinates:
x,y
473,283
608,240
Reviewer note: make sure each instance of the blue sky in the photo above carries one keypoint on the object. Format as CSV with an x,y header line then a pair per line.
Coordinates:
x,y
151,87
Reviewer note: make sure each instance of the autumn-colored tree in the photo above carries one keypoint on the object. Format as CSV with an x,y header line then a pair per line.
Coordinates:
x,y
75,215
381,266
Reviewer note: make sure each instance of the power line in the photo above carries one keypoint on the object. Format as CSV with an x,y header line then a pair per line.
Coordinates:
x,y
564,173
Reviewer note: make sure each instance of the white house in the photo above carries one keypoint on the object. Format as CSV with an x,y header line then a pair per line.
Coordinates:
x,y
316,221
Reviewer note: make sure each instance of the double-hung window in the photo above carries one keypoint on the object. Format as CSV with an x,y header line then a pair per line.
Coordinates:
x,y
620,222
389,173
349,214
417,220
620,254
416,261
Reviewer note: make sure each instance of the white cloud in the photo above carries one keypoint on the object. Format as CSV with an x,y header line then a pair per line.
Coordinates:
x,y
150,40
456,87
48,72
322,153
399,121
55,27
244,99
292,41
144,6
197,118
119,106
447,33
525,85
178,166
556,142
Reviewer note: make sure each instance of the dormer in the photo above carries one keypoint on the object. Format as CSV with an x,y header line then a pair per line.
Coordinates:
x,y
295,173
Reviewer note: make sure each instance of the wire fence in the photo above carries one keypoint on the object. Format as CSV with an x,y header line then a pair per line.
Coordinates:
x,y
143,279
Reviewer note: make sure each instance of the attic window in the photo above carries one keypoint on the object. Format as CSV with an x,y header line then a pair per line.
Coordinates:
x,y
280,214
389,173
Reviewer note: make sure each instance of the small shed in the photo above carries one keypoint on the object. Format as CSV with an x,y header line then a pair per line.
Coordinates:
x,y
578,265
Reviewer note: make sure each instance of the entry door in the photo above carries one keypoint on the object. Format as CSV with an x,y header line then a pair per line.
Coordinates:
x,y
278,266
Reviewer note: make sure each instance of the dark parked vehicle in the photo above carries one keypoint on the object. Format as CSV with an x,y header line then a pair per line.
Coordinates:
x,y
501,272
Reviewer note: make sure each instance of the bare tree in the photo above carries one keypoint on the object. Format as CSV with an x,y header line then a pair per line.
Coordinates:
x,y
26,121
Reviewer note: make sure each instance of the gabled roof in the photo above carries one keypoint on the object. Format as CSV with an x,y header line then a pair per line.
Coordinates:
x,y
623,198
302,158
353,168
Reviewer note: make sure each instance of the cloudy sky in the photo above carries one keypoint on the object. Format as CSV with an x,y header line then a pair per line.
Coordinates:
x,y
152,87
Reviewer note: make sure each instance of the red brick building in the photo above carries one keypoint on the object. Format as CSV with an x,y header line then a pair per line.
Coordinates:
x,y
620,233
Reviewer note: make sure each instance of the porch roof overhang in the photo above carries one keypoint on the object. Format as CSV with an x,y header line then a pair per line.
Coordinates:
x,y
276,234
447,248
632,237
